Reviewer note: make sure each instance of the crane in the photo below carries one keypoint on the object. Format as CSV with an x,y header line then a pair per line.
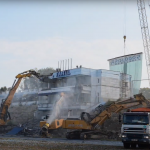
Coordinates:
x,y
145,33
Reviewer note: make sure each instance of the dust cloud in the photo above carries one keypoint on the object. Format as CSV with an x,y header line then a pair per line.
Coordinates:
x,y
57,108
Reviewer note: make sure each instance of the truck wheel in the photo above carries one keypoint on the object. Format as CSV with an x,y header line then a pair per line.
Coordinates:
x,y
133,145
126,145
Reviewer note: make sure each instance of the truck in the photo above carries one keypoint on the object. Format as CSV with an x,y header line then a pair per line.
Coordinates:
x,y
135,129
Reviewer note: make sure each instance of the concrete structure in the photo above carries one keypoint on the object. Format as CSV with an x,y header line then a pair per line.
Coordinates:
x,y
85,87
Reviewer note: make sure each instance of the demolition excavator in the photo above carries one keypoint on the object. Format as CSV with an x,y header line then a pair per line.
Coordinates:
x,y
90,123
4,114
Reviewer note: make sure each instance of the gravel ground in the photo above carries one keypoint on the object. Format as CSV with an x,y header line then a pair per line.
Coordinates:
x,y
40,145
62,140
21,143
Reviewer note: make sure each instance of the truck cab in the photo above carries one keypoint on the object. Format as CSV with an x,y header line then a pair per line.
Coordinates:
x,y
135,129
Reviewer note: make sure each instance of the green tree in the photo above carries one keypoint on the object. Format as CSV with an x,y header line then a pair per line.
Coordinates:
x,y
3,89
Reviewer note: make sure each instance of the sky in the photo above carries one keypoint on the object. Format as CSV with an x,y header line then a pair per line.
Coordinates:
x,y
38,34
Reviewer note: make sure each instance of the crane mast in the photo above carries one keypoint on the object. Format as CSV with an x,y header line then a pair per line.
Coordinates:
x,y
145,33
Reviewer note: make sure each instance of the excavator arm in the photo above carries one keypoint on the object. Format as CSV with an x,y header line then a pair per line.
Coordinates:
x,y
91,122
119,106
6,103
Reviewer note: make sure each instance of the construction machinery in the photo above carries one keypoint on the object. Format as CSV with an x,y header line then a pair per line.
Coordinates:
x,y
135,128
4,114
90,124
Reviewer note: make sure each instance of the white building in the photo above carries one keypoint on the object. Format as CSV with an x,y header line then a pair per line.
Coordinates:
x,y
84,87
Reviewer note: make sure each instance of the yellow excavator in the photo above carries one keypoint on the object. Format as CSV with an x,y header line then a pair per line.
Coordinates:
x,y
90,124
4,114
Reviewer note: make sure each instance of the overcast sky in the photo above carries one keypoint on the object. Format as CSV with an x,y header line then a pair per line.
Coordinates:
x,y
39,34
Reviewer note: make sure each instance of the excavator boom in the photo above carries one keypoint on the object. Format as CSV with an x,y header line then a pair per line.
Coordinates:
x,y
6,103
119,106
100,118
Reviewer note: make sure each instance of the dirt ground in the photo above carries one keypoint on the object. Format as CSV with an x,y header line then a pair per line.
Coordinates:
x,y
21,144
53,146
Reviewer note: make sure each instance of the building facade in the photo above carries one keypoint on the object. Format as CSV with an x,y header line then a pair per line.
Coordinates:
x,y
83,88
129,64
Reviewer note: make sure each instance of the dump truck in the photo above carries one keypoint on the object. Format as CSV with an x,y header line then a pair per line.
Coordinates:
x,y
135,129
89,123
4,114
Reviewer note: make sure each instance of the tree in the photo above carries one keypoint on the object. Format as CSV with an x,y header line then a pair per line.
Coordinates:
x,y
3,89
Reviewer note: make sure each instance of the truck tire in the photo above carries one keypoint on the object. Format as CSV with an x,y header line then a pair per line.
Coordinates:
x,y
126,145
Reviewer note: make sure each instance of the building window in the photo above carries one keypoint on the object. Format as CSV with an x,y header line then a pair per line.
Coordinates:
x,y
98,80
126,84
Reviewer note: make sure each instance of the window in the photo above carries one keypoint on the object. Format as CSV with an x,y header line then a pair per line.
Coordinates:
x,y
136,119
